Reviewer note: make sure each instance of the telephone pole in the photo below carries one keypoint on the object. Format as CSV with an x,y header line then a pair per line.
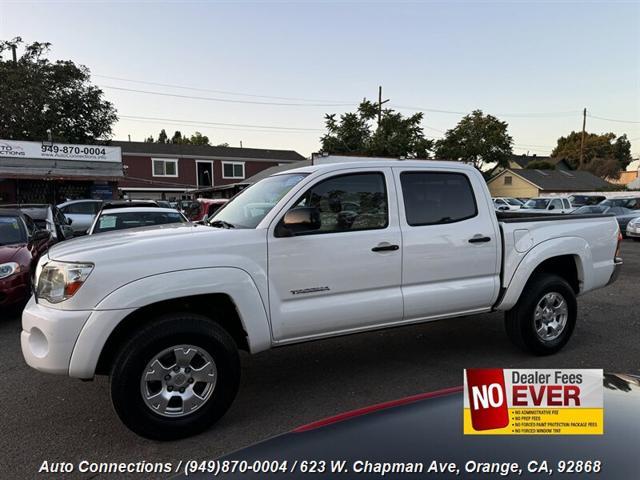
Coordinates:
x,y
380,102
584,124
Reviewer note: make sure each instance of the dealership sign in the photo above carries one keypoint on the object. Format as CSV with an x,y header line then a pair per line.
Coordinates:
x,y
59,151
533,401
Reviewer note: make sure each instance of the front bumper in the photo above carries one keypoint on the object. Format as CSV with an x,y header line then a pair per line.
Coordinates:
x,y
49,335
617,266
633,232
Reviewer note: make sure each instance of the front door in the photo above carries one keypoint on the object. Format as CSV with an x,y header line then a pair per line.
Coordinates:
x,y
450,247
345,275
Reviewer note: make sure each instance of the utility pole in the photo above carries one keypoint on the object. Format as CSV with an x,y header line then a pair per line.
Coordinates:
x,y
380,102
584,124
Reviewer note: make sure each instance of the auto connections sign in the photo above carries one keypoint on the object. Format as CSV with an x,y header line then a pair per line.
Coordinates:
x,y
533,402
59,151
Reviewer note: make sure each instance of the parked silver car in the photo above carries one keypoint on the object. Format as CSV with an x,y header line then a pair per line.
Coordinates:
x,y
81,212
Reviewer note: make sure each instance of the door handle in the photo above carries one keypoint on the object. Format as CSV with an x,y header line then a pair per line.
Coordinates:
x,y
385,247
479,239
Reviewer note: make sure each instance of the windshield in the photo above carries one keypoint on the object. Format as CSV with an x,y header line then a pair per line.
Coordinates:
x,y
513,202
12,231
537,203
249,207
110,222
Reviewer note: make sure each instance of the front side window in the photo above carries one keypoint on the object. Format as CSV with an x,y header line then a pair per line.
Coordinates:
x,y
556,204
165,168
349,202
432,198
249,207
232,170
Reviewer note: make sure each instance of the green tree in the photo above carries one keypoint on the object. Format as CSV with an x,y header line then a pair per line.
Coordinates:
x,y
162,136
356,133
177,137
198,139
477,139
540,165
604,154
37,95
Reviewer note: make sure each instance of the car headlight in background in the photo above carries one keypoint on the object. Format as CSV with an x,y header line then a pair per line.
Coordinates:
x,y
8,269
59,281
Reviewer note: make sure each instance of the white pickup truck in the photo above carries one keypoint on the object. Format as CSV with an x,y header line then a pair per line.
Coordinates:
x,y
305,254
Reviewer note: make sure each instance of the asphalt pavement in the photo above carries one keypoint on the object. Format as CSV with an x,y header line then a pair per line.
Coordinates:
x,y
59,419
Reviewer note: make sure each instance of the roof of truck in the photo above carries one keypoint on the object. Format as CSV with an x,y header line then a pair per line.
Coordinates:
x,y
379,163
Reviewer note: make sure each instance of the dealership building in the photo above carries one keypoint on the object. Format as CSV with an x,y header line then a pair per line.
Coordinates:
x,y
173,171
49,172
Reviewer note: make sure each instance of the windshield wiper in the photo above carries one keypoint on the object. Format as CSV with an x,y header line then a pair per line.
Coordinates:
x,y
221,224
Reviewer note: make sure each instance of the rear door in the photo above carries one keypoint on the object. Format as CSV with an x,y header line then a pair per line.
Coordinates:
x,y
346,275
450,261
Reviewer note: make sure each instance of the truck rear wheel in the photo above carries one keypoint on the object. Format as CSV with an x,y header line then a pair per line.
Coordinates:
x,y
175,377
544,318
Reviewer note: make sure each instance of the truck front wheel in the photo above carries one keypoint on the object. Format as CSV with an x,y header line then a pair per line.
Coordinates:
x,y
175,377
544,318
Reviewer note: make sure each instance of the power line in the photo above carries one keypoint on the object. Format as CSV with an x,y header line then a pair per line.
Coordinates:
x,y
199,125
228,100
225,92
524,115
612,119
202,123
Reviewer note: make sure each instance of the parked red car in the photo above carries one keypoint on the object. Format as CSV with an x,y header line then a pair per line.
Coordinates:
x,y
204,207
21,245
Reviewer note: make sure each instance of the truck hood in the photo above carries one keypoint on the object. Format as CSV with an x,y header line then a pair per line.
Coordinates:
x,y
95,247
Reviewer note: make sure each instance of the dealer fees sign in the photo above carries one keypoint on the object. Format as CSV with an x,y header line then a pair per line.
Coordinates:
x,y
533,401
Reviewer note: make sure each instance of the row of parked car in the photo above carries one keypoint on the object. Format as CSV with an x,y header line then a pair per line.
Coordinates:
x,y
27,231
625,209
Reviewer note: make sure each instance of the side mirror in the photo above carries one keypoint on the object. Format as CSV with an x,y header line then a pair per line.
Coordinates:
x,y
552,207
298,220
41,235
69,221
503,208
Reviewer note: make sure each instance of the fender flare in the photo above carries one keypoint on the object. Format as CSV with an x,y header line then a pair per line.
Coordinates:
x,y
119,304
576,247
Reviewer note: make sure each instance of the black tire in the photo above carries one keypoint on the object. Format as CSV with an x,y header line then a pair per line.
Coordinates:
x,y
164,332
519,321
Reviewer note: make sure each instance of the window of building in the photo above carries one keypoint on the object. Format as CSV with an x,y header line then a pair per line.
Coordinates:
x,y
432,198
232,170
508,180
164,168
348,203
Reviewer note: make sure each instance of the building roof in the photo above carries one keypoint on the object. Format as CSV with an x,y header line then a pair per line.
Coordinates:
x,y
206,151
559,180
523,160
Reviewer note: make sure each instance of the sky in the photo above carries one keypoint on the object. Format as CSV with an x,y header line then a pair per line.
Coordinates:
x,y
266,72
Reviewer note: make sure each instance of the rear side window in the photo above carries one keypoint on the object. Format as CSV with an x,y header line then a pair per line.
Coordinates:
x,y
566,203
432,198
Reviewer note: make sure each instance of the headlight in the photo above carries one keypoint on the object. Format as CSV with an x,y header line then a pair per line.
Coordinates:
x,y
8,269
59,281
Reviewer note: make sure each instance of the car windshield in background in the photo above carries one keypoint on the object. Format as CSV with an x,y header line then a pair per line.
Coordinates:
x,y
622,202
537,203
110,222
11,231
250,206
513,202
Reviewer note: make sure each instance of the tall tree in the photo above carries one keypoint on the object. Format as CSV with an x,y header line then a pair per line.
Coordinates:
x,y
357,133
37,95
177,137
162,136
477,139
604,154
198,139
